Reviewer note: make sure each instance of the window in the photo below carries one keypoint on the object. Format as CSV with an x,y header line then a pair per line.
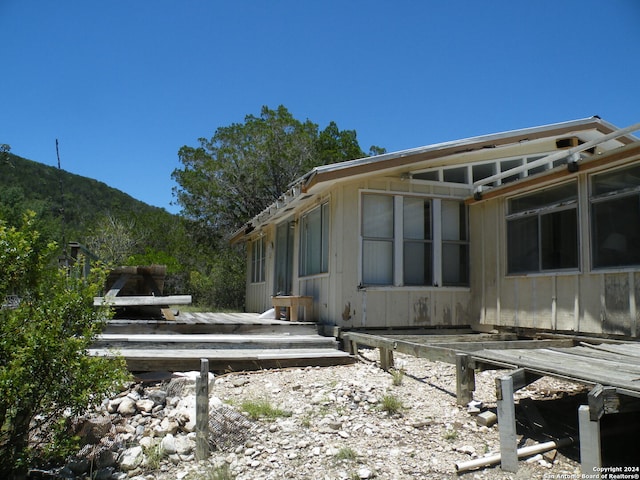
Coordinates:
x,y
414,241
542,231
615,218
258,255
314,241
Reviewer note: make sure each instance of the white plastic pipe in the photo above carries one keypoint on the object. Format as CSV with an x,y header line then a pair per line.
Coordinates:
x,y
522,452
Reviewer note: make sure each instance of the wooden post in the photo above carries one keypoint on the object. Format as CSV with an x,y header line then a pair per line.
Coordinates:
x,y
507,424
202,411
590,456
465,379
386,358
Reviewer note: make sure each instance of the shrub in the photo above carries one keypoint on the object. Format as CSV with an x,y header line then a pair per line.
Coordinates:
x,y
391,404
46,375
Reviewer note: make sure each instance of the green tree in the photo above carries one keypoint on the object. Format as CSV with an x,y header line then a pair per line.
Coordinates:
x,y
46,376
246,166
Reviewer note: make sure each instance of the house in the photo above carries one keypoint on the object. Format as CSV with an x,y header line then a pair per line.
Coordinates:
x,y
532,228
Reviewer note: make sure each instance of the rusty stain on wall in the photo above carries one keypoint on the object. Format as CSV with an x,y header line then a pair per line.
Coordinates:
x,y
422,311
346,313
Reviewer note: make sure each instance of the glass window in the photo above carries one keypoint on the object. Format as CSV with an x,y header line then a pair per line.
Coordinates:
x,y
410,241
314,241
542,231
257,260
615,218
378,237
417,251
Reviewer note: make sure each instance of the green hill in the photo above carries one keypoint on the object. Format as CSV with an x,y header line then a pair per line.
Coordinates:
x,y
65,202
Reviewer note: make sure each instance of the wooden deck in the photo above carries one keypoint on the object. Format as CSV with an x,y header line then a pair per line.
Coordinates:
x,y
611,368
230,342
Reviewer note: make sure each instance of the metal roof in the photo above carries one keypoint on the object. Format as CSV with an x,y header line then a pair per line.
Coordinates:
x,y
324,173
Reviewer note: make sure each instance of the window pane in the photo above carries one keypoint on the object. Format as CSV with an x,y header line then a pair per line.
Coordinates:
x,y
616,232
559,240
551,196
417,218
522,245
508,165
417,263
483,171
377,262
314,239
455,175
325,238
455,265
432,175
454,220
616,181
377,216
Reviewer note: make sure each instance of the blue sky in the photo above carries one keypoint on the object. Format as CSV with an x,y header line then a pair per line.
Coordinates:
x,y
123,85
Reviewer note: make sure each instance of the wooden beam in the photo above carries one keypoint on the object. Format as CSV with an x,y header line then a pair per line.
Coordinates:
x,y
465,379
507,424
141,300
590,453
118,284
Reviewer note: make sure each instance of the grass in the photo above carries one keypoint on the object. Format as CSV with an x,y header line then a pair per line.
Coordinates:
x,y
391,404
397,376
450,435
262,408
346,453
154,457
222,472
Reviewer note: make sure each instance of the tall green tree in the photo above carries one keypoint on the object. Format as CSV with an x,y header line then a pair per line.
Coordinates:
x,y
244,167
46,376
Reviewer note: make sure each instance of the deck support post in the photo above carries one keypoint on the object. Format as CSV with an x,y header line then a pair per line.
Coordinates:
x,y
465,379
202,411
507,424
386,358
590,453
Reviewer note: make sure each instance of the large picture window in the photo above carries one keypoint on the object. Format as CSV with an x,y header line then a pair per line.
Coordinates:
x,y
615,218
314,241
542,231
414,241
257,260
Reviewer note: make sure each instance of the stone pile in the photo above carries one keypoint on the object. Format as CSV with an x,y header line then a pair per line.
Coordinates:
x,y
333,426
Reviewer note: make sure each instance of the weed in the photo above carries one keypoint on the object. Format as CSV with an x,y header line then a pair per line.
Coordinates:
x,y
451,435
346,453
262,409
397,377
222,472
154,456
391,404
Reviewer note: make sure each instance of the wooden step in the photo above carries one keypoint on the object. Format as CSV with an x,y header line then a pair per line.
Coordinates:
x,y
211,341
225,360
183,327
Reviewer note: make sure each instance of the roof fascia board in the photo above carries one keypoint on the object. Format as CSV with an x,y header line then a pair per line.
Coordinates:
x,y
430,152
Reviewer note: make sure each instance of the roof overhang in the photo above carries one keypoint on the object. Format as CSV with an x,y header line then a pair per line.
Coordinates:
x,y
310,185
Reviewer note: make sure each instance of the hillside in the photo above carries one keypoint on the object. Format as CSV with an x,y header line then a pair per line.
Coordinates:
x,y
63,197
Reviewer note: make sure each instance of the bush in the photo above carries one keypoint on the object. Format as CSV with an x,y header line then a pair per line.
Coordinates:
x,y
46,376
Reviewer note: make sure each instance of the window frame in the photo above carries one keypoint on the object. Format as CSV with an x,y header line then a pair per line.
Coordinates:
x,y
258,260
540,213
399,242
598,199
306,264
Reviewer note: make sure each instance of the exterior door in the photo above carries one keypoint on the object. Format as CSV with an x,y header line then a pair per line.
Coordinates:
x,y
284,259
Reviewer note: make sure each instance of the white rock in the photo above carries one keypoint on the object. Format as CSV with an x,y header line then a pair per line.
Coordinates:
x,y
168,445
131,458
364,473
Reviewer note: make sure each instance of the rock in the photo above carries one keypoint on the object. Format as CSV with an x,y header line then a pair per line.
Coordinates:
x,y
168,445
145,405
131,458
364,473
486,419
159,397
183,445
127,406
93,429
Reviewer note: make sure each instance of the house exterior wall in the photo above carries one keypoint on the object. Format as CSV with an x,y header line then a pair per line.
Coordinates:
x,y
589,300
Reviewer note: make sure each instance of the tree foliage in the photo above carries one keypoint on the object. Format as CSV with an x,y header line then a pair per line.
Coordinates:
x,y
46,376
244,167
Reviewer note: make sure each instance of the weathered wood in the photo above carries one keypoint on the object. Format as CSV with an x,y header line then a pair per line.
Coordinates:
x,y
590,452
202,411
465,379
141,300
386,359
292,303
117,286
507,424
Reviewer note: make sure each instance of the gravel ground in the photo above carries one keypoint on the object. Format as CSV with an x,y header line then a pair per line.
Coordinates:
x,y
336,427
